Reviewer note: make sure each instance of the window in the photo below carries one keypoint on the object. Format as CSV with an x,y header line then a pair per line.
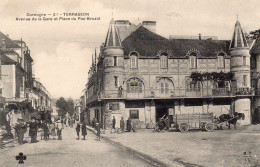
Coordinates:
x,y
244,80
134,114
115,61
114,106
133,60
164,61
221,60
134,85
193,60
116,81
244,60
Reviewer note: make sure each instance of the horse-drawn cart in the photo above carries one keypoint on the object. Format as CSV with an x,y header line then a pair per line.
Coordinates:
x,y
185,122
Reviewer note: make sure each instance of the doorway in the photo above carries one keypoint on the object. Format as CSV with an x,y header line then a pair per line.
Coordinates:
x,y
160,112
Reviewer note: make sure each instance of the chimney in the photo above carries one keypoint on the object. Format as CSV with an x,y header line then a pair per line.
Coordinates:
x,y
150,25
199,36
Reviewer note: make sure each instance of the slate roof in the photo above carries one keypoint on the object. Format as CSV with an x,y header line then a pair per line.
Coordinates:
x,y
149,44
8,42
5,60
256,47
238,39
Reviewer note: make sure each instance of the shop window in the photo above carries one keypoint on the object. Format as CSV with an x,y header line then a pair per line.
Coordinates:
x,y
134,104
134,114
193,102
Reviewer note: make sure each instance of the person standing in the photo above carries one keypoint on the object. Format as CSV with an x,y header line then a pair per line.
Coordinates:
x,y
114,123
21,129
161,124
59,130
53,131
167,123
98,131
122,124
33,130
78,129
84,130
128,125
45,131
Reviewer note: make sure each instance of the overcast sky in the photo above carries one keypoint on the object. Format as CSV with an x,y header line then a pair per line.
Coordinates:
x,y
62,49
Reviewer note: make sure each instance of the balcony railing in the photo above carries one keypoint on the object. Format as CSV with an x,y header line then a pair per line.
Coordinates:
x,y
173,93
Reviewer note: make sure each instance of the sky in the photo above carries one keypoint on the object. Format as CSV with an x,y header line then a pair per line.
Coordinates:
x,y
62,50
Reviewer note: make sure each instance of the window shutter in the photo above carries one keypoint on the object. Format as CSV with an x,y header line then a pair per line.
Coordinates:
x,y
166,88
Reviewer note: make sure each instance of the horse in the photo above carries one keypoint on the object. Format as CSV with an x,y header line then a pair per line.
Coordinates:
x,y
231,118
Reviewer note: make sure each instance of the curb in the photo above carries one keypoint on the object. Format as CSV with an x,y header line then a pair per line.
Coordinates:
x,y
142,155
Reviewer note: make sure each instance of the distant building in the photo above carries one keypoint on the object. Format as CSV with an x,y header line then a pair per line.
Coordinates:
x,y
143,76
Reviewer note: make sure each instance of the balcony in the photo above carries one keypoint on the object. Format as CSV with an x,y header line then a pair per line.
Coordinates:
x,y
175,93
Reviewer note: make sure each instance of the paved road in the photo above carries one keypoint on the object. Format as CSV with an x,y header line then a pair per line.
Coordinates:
x,y
71,152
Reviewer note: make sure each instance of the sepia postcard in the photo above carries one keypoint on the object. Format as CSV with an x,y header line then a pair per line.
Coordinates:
x,y
120,83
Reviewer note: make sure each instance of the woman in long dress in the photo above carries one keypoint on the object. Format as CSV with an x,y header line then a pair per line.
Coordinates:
x,y
53,131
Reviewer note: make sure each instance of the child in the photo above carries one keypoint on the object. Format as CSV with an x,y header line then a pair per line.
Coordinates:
x,y
41,131
53,131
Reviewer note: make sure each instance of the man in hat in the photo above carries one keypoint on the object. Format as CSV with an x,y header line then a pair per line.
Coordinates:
x,y
114,122
33,130
59,130
78,129
122,124
21,130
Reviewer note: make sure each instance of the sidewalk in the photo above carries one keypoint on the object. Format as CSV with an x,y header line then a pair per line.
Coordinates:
x,y
195,148
115,139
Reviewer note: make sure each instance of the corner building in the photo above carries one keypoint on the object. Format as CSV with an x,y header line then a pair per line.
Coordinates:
x,y
143,76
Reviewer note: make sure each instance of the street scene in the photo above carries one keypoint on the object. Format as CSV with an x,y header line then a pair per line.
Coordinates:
x,y
100,83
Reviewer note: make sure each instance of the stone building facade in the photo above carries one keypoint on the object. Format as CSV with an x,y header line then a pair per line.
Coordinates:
x,y
143,76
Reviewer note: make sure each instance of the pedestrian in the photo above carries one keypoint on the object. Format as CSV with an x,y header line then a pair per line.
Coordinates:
x,y
53,131
59,130
167,123
122,124
98,131
21,130
114,123
128,125
41,131
45,131
84,130
78,129
33,130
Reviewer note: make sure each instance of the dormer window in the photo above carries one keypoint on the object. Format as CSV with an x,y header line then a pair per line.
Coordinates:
x,y
193,60
133,60
221,60
164,60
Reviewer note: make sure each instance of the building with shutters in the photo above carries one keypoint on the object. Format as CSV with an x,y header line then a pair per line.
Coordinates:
x,y
143,76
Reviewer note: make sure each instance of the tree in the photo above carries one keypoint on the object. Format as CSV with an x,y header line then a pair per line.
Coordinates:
x,y
70,106
62,105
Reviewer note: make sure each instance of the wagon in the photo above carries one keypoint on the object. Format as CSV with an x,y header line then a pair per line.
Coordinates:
x,y
185,122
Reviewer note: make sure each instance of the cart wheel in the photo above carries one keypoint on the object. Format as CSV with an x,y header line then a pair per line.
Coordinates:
x,y
209,126
184,127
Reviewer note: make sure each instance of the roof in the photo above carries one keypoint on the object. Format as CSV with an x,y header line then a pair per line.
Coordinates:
x,y
8,42
149,44
5,60
10,52
256,47
238,39
112,39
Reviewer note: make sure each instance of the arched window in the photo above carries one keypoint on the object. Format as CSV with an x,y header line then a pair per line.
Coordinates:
x,y
165,86
193,60
221,60
163,60
134,85
133,60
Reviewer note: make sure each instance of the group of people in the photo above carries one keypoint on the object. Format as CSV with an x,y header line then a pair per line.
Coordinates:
x,y
45,128
83,129
163,124
48,129
129,126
